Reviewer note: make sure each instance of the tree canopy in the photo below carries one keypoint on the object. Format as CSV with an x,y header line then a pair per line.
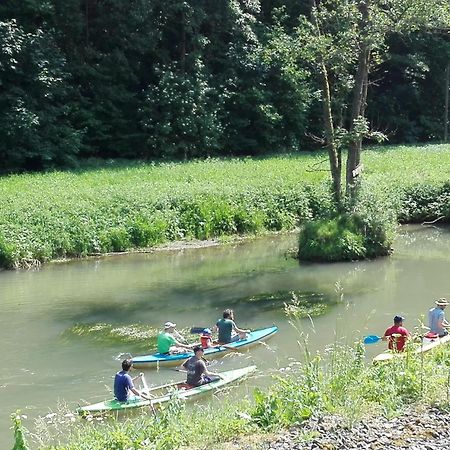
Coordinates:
x,y
180,79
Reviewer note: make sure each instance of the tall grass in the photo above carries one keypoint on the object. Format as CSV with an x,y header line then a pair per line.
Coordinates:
x,y
69,214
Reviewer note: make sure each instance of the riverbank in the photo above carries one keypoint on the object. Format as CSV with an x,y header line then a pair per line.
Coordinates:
x,y
61,215
418,428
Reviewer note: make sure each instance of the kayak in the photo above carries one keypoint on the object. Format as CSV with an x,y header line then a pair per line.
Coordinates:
x,y
164,393
427,345
157,359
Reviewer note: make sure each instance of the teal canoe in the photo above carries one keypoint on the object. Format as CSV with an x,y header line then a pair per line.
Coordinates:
x,y
157,359
162,394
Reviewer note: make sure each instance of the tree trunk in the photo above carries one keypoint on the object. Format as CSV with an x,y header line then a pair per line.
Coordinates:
x,y
359,101
334,155
447,81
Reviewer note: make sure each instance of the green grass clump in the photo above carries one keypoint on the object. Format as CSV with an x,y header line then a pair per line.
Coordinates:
x,y
139,337
340,382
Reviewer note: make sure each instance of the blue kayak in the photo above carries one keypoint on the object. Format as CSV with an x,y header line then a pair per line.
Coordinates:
x,y
157,359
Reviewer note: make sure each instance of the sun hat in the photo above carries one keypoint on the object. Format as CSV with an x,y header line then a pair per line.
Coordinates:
x,y
169,325
207,331
441,302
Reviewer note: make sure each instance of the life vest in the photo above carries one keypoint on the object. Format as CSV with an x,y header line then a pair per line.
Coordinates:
x,y
205,339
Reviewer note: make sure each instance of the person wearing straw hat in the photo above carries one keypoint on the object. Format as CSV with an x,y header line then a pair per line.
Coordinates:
x,y
168,341
436,318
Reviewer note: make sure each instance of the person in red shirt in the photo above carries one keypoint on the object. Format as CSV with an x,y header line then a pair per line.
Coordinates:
x,y
397,335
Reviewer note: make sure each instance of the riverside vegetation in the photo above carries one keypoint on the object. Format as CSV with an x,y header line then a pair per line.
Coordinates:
x,y
135,206
335,381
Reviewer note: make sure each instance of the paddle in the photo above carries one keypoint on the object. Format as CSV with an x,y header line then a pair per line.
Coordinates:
x,y
146,390
372,339
197,330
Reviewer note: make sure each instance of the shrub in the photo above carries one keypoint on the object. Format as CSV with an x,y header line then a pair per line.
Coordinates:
x,y
336,239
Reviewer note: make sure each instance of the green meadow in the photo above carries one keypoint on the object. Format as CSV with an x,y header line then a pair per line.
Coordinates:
x,y
119,207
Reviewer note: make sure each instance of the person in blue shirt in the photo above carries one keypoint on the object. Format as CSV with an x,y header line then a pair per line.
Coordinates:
x,y
123,383
436,318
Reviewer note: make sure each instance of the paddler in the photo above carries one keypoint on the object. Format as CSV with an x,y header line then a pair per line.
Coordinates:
x,y
123,383
436,318
168,341
226,327
197,373
397,335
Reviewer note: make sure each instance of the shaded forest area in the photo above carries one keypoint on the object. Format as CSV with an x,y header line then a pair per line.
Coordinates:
x,y
173,79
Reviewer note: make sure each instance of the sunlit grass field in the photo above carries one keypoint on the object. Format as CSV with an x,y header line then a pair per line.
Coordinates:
x,y
129,206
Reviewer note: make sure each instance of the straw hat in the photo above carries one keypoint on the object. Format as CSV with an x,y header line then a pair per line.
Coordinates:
x,y
441,302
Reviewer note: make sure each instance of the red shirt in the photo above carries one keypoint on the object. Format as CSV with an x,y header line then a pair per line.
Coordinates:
x,y
398,340
205,340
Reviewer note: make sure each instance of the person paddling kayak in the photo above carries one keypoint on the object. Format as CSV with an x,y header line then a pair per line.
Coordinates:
x,y
123,383
397,335
197,373
226,327
436,318
168,341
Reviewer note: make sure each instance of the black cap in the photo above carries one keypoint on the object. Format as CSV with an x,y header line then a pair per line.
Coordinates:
x,y
197,348
398,319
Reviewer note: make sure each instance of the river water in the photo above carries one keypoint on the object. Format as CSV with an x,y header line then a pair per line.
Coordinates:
x,y
43,366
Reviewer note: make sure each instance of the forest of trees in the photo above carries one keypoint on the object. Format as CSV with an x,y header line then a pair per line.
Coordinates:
x,y
147,79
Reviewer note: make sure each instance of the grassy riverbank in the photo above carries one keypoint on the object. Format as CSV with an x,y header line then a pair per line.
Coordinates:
x,y
99,210
336,381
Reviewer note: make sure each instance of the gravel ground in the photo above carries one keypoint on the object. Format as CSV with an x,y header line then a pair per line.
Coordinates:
x,y
427,429
416,430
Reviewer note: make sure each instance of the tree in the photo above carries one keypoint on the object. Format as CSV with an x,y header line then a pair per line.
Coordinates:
x,y
342,40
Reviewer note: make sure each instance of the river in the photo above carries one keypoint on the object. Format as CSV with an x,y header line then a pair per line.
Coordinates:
x,y
43,366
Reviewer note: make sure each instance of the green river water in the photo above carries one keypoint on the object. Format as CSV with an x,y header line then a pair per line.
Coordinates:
x,y
45,364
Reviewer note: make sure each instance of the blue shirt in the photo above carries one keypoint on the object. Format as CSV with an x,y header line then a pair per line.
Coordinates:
x,y
435,315
122,384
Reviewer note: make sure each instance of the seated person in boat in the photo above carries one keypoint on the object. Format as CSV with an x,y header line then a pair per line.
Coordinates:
x,y
397,335
206,339
226,327
436,318
197,373
168,341
123,383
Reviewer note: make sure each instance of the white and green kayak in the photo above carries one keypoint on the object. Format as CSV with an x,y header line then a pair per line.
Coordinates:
x,y
164,393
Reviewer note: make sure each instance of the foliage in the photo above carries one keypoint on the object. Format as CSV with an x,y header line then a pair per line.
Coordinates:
x,y
339,238
129,206
183,79
174,426
139,336
20,442
339,382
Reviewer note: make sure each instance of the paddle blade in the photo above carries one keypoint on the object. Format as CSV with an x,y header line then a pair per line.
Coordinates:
x,y
197,330
372,339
